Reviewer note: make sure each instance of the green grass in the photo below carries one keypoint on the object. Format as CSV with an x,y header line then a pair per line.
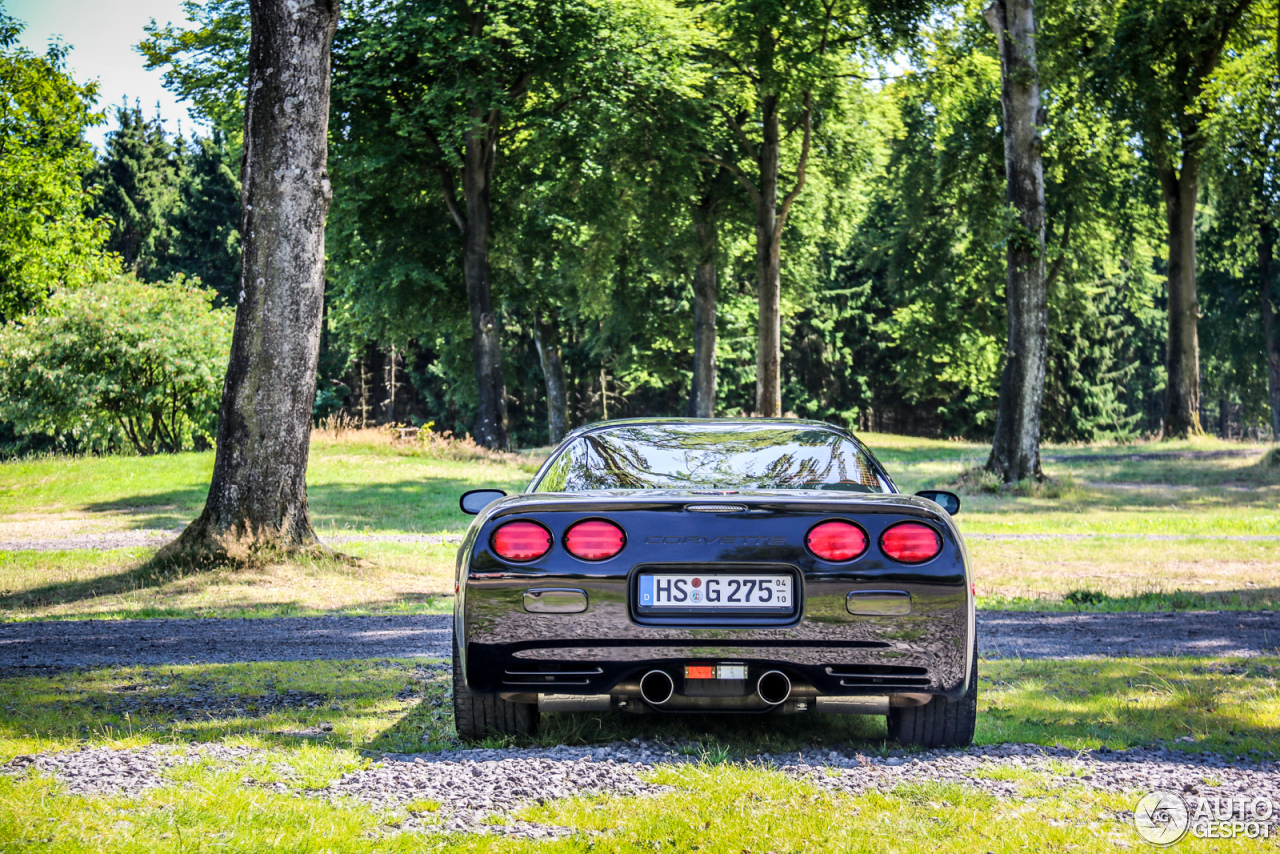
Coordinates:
x,y
402,706
722,802
313,721
373,705
714,809
351,486
1109,489
1133,574
362,482
389,578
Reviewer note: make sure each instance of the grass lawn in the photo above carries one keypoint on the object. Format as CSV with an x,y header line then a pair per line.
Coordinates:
x,y
1108,501
308,723
721,803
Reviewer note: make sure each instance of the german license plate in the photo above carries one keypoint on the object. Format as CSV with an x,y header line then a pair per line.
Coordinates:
x,y
720,591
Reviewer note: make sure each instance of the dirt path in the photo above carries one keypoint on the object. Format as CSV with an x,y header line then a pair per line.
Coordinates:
x,y
44,647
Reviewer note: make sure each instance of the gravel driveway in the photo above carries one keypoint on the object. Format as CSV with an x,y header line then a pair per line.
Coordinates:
x,y
37,647
476,787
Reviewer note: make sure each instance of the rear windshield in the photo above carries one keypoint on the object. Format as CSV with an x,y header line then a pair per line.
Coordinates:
x,y
647,456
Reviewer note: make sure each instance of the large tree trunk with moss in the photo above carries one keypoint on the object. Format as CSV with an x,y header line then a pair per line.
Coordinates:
x,y
546,335
1181,189
258,496
702,397
1015,453
1270,332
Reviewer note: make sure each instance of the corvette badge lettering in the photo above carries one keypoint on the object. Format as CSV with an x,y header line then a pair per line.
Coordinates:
x,y
711,541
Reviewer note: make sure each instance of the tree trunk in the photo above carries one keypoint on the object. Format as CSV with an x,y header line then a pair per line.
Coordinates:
x,y
703,392
546,335
1270,334
1015,452
1182,356
258,496
486,344
769,269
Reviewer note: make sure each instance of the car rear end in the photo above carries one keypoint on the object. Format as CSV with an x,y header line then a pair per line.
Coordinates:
x,y
807,600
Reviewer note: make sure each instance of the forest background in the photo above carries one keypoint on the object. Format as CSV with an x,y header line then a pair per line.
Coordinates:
x,y
614,184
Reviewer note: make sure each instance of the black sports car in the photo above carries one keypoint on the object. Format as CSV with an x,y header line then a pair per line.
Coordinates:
x,y
714,565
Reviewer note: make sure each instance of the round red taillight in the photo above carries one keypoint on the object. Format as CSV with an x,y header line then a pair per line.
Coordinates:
x,y
911,542
836,541
521,541
594,539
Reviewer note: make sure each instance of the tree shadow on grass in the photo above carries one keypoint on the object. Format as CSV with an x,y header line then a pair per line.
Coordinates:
x,y
285,704
396,706
154,575
428,505
1192,706
140,576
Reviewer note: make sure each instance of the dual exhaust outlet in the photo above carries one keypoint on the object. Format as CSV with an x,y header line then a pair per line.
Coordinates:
x,y
657,687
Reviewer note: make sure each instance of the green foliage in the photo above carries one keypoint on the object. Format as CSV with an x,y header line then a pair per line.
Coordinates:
x,y
894,254
1160,56
206,61
47,238
1242,212
908,334
115,363
138,178
206,223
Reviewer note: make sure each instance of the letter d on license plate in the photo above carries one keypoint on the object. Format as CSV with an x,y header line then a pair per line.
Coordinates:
x,y
765,593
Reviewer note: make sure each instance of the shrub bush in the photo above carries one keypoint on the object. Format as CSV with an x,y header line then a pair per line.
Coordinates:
x,y
118,364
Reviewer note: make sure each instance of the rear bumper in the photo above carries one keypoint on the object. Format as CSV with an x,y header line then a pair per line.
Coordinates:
x,y
824,651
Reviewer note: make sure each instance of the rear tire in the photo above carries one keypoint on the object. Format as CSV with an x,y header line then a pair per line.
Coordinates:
x,y
480,716
939,722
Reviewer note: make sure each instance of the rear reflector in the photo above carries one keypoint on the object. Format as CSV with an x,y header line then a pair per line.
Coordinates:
x,y
836,541
594,539
715,671
521,541
911,542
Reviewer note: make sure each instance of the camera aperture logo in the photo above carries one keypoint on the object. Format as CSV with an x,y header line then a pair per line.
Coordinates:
x,y
1163,817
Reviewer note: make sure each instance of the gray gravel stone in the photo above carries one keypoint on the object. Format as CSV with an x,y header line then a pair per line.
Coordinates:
x,y
106,771
51,646
476,790
473,791
42,647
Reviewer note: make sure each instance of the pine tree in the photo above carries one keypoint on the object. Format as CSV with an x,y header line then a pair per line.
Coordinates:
x,y
206,221
139,178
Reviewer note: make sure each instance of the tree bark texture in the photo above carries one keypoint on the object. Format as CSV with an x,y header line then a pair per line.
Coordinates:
x,y
486,344
1015,452
546,335
1181,189
1270,332
258,495
703,393
769,268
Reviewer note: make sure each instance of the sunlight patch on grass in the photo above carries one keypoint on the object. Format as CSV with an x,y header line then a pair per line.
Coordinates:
x,y
381,704
1104,574
718,803
389,578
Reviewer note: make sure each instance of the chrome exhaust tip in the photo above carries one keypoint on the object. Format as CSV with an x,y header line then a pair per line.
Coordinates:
x,y
773,687
657,687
